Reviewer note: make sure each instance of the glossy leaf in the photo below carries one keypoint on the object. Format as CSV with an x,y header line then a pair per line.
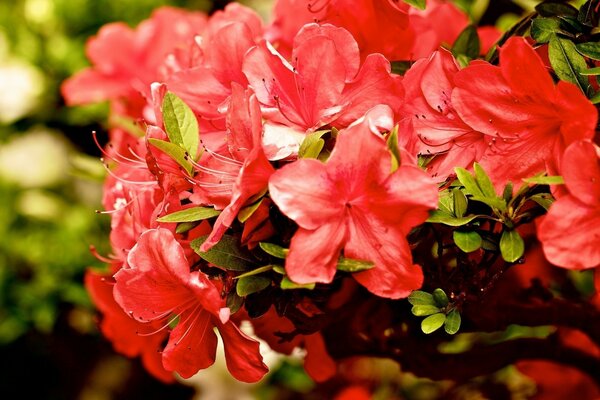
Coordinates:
x,y
467,43
468,181
467,241
512,246
419,297
484,182
226,254
433,323
274,250
350,265
567,62
251,284
452,322
312,145
440,297
553,8
287,284
460,203
543,29
424,310
181,124
190,215
255,272
392,144
174,151
590,49
440,217
545,180
247,211
420,4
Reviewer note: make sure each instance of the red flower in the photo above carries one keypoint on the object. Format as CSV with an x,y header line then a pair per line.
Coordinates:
x,y
157,285
323,85
570,232
439,130
529,121
354,203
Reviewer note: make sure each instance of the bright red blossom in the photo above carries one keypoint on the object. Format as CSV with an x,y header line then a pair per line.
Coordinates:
x,y
353,203
157,285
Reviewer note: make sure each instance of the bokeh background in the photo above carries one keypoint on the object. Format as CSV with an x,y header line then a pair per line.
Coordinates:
x,y
50,185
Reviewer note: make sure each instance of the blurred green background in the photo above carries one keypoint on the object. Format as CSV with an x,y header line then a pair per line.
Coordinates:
x,y
50,185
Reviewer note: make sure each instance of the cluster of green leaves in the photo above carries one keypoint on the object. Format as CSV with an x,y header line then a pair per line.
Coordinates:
x,y
470,192
573,38
437,309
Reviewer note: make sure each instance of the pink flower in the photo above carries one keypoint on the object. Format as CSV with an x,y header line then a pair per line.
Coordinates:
x,y
570,232
157,285
355,204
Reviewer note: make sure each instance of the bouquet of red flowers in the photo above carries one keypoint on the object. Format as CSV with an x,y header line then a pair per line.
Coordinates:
x,y
351,178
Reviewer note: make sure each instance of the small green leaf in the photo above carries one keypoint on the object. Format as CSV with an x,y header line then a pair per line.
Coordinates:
x,y
440,297
421,298
255,272
181,124
433,323
543,199
567,62
595,99
512,246
274,250
279,269
247,211
350,265
251,284
175,152
226,254
234,302
460,203
446,202
452,323
484,182
312,145
587,15
440,217
467,43
424,310
553,8
400,67
287,284
468,181
496,203
392,144
467,241
508,191
183,227
190,215
591,72
420,4
590,49
545,180
542,29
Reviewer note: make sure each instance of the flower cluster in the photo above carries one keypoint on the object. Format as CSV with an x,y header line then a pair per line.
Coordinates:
x,y
282,168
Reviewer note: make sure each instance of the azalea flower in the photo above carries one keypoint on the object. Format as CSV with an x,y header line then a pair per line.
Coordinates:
x,y
571,230
157,285
355,204
527,119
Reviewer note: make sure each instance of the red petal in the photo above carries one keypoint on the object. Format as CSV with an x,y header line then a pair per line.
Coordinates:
x,y
318,363
242,354
581,171
314,254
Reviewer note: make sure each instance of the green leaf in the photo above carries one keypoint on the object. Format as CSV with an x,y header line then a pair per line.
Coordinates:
x,y
255,272
591,72
175,152
440,217
508,191
424,310
274,250
190,215
452,323
279,269
460,203
542,29
433,323
467,43
595,99
545,180
420,4
234,302
226,254
421,298
312,145
181,124
484,182
512,246
440,297
586,15
543,199
446,202
392,144
400,67
287,284
467,241
554,8
589,49
247,211
567,62
350,265
251,284
468,181
183,227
